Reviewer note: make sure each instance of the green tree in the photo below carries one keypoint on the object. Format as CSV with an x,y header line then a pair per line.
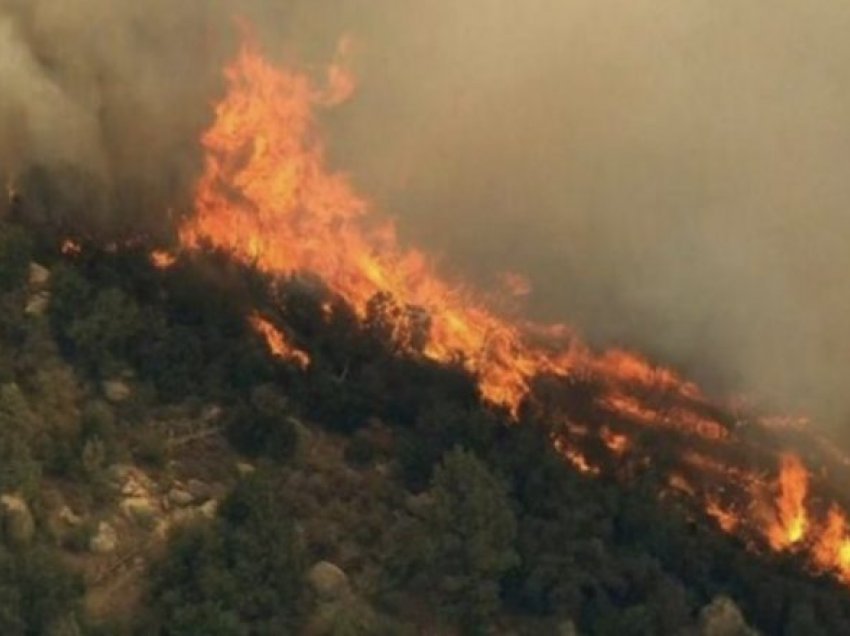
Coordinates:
x,y
15,255
463,544
242,575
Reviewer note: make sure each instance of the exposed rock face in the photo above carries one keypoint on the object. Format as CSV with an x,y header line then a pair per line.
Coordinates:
x,y
116,391
18,522
328,581
105,540
722,617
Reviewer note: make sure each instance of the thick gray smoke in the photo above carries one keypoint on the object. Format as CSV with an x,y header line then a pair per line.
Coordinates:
x,y
671,175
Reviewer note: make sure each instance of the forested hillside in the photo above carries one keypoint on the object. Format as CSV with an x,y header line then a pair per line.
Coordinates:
x,y
163,472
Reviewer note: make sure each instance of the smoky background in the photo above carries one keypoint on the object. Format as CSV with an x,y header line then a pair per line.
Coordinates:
x,y
671,176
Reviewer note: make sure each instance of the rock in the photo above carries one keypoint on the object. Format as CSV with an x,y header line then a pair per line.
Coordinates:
x,y
199,490
37,304
722,617
139,509
18,523
209,509
39,275
116,391
68,517
328,581
105,539
244,469
180,497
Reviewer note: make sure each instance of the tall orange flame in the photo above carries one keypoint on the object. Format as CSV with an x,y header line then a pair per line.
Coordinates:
x,y
267,197
791,522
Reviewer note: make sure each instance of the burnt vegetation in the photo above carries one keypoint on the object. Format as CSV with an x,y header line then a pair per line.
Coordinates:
x,y
473,524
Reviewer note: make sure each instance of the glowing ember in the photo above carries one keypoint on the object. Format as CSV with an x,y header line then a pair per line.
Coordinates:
x,y
277,342
575,457
726,519
162,259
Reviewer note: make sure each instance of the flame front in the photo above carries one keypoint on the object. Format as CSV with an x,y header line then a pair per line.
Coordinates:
x,y
267,197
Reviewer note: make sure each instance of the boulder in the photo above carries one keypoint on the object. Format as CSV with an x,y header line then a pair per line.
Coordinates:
x,y
244,469
37,304
722,617
139,509
105,540
116,391
69,517
18,522
180,497
328,581
39,276
209,509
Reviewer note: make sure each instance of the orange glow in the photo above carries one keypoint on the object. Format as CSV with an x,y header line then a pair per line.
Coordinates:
x,y
791,521
162,259
725,518
277,342
832,549
616,443
575,457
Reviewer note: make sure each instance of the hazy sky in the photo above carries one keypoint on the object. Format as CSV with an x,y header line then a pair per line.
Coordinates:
x,y
671,175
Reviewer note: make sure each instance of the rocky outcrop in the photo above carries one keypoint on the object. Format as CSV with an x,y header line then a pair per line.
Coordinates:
x,y
722,617
116,391
329,582
18,522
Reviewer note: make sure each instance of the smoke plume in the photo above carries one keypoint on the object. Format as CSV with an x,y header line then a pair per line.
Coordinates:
x,y
670,176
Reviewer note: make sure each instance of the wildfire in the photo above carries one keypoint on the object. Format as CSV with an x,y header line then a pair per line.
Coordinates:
x,y
277,342
268,198
791,521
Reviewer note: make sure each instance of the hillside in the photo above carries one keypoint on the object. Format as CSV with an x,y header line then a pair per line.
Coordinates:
x,y
164,472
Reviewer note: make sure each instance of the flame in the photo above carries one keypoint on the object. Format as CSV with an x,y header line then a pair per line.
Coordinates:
x,y
575,457
268,198
832,550
162,259
791,521
277,342
617,443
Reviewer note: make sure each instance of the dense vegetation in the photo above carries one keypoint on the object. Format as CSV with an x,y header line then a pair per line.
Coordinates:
x,y
485,528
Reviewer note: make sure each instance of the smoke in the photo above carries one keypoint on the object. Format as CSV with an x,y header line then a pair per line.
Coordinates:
x,y
671,176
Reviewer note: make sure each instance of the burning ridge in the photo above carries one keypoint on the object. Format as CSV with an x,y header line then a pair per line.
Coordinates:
x,y
267,198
